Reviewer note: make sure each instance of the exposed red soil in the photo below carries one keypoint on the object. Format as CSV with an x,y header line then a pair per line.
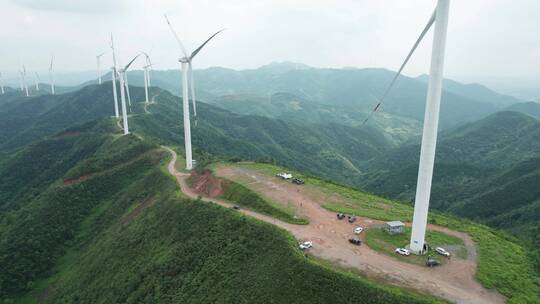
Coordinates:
x,y
68,182
206,184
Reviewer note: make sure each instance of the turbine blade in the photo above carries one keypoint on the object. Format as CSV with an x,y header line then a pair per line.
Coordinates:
x,y
51,65
176,36
127,66
190,71
426,28
197,50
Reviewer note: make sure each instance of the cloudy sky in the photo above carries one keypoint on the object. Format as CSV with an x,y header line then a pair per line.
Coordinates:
x,y
488,39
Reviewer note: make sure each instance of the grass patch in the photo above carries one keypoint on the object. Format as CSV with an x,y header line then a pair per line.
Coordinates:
x,y
379,240
242,196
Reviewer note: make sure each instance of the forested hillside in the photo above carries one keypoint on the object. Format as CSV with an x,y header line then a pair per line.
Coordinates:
x,y
27,119
488,171
334,92
110,227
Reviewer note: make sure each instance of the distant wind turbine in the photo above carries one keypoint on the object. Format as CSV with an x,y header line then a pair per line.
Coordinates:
x,y
36,80
187,69
122,73
113,78
21,80
1,84
147,76
51,75
99,67
23,72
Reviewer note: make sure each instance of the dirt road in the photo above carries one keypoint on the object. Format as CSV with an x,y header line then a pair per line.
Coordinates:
x,y
453,281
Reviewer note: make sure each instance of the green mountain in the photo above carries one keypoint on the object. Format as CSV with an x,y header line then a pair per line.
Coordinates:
x,y
107,225
331,90
531,108
87,215
487,171
27,119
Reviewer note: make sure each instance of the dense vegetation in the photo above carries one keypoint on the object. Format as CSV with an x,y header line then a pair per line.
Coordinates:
x,y
27,119
112,229
488,171
63,200
338,95
34,235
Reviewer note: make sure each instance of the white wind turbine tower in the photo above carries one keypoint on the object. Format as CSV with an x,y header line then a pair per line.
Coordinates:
x,y
431,122
122,73
1,85
36,80
126,85
147,76
98,57
187,69
23,73
51,76
21,80
113,78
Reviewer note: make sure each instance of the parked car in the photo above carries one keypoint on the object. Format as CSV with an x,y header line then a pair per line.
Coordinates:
x,y
358,230
432,262
355,241
352,218
340,216
306,245
284,175
403,251
442,251
297,181
236,207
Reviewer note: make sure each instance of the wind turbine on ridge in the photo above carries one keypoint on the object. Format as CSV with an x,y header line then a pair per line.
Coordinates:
x,y
122,74
23,75
113,78
1,84
147,65
36,80
431,121
187,69
98,57
51,76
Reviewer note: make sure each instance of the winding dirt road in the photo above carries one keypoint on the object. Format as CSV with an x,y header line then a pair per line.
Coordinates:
x,y
453,281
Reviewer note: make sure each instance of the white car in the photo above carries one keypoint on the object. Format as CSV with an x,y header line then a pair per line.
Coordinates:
x,y
358,230
284,175
442,251
403,251
306,245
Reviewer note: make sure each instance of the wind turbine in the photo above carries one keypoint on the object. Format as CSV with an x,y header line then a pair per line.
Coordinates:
x,y
122,73
98,67
147,76
36,80
431,122
187,69
126,84
1,84
113,77
21,80
51,76
23,73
